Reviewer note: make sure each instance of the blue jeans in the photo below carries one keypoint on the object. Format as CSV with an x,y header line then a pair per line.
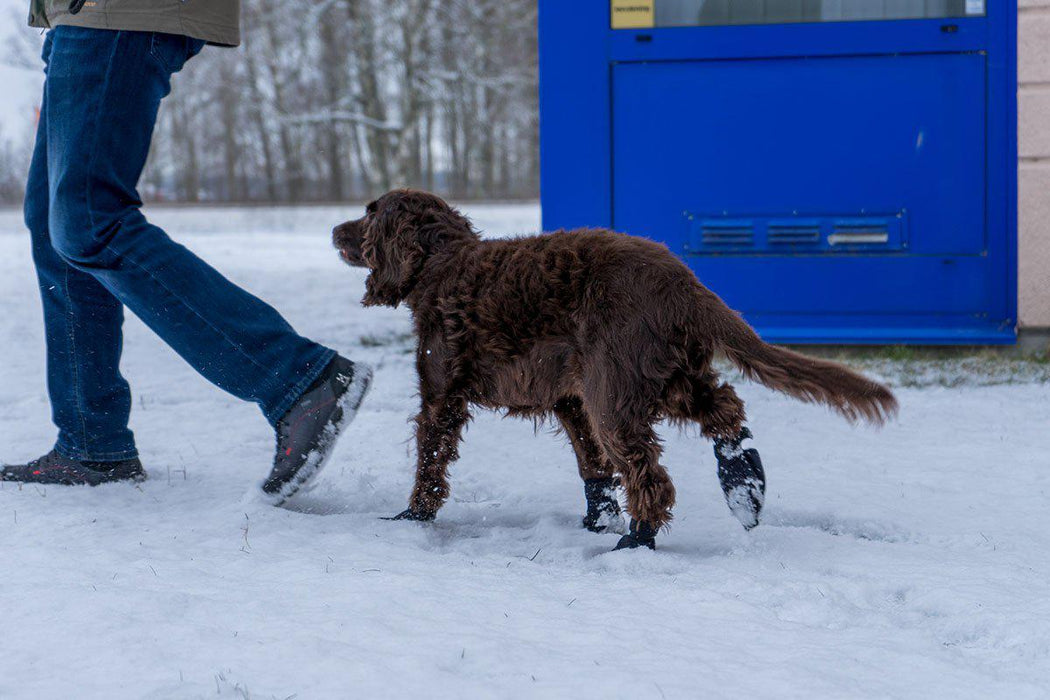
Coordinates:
x,y
95,253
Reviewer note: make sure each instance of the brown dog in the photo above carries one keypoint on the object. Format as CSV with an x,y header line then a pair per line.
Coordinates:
x,y
606,332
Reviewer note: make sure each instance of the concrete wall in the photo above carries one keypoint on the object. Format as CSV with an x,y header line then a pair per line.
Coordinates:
x,y
1034,146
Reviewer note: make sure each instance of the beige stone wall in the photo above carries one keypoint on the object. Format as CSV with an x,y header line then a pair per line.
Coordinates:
x,y
1034,146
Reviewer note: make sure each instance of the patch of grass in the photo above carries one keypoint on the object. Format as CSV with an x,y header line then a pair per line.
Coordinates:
x,y
900,353
920,366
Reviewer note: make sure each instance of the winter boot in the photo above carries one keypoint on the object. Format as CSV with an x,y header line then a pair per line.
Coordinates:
x,y
55,469
307,433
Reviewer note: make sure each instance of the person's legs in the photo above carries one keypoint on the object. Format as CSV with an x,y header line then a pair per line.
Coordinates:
x,y
103,91
90,400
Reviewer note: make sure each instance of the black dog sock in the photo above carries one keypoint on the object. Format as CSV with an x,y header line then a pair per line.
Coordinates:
x,y
743,479
642,534
603,508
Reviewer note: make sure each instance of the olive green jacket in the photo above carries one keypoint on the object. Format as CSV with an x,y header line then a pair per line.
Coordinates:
x,y
214,21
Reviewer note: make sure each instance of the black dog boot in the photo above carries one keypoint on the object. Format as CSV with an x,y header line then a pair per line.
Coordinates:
x,y
409,514
603,509
642,534
742,477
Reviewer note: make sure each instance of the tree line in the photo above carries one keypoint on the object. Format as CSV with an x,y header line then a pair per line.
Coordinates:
x,y
330,100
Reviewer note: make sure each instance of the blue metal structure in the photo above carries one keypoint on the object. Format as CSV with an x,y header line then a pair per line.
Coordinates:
x,y
833,181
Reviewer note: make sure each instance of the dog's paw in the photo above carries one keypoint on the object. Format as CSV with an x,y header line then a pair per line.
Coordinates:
x,y
603,506
743,481
606,522
745,503
409,514
641,534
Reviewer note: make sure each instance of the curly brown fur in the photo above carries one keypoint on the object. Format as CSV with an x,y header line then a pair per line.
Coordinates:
x,y
606,332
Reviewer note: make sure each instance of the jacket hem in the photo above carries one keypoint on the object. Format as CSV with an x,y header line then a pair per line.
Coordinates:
x,y
218,34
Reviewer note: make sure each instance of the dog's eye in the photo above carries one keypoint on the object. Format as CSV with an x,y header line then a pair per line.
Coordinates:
x,y
371,208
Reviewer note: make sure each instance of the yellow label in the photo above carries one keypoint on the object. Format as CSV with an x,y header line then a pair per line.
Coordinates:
x,y
633,14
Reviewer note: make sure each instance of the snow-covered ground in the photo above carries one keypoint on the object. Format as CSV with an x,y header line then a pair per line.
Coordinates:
x,y
908,563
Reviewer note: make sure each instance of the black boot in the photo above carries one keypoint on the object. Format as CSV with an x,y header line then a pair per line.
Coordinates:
x,y
742,477
307,433
55,469
603,509
642,534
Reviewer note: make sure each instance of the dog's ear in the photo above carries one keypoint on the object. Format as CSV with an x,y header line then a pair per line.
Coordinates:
x,y
393,252
379,293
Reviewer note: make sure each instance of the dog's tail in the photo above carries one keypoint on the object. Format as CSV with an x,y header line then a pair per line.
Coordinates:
x,y
805,378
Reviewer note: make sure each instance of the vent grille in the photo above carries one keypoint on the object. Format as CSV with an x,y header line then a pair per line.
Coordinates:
x,y
794,234
859,234
727,236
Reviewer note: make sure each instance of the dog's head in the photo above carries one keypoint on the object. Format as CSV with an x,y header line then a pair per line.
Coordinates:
x,y
394,238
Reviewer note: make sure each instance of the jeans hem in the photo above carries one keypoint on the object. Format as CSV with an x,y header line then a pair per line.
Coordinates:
x,y
82,456
317,367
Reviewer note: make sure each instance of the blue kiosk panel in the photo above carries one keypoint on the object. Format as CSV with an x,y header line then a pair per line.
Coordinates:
x,y
846,181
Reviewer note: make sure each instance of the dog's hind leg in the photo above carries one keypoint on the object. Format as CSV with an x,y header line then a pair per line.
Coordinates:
x,y
720,413
439,428
598,474
742,478
712,404
635,451
621,405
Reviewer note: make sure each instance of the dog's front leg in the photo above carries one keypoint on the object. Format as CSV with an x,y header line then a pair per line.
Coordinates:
x,y
439,427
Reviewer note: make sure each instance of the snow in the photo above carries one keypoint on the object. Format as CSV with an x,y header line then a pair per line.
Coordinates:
x,y
910,562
